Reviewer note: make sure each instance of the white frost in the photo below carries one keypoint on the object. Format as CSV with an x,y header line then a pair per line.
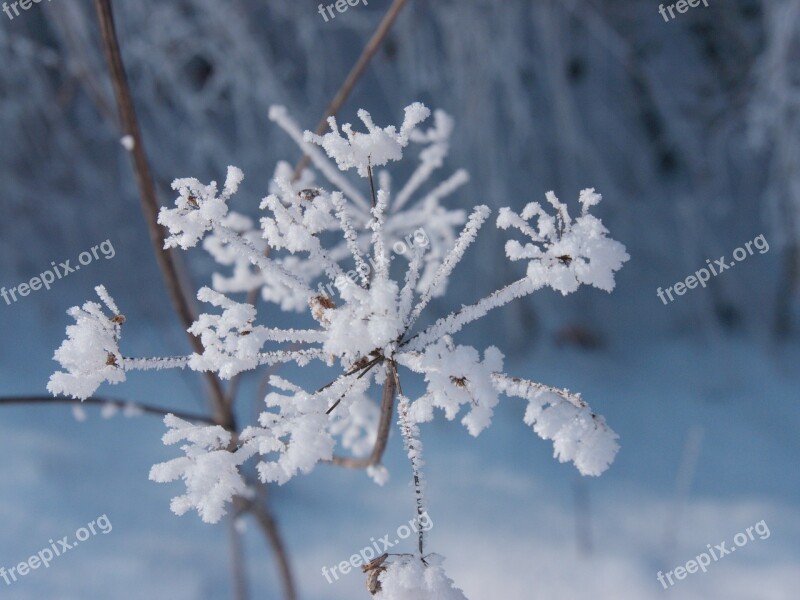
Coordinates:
x,y
408,578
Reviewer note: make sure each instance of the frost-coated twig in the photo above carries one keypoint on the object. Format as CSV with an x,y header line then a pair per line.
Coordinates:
x,y
350,237
378,242
526,389
119,404
286,356
355,74
465,239
280,116
453,322
412,277
413,447
260,260
447,187
155,364
293,214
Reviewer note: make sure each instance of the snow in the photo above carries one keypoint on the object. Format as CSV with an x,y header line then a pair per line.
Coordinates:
x,y
90,354
409,578
128,142
210,472
564,253
197,209
457,377
367,331
375,148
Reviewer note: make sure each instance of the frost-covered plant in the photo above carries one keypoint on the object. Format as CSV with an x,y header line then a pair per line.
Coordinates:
x,y
410,211
367,330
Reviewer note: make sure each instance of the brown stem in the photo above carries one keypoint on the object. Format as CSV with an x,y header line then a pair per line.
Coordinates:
x,y
121,404
147,193
384,426
223,415
238,570
355,74
268,525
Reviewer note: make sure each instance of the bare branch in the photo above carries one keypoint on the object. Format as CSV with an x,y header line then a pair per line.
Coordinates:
x,y
238,570
268,525
147,192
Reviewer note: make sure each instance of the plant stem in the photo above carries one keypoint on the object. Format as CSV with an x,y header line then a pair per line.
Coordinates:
x,y
147,193
120,404
384,426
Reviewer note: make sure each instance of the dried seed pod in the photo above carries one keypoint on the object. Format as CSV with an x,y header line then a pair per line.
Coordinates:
x,y
373,583
193,201
118,319
320,304
111,360
308,194
459,381
373,570
360,363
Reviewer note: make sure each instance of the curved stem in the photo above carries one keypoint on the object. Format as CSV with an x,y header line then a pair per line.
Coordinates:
x,y
270,529
384,426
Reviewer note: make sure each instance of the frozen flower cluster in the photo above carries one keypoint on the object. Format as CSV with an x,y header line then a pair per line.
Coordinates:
x,y
563,253
90,354
363,332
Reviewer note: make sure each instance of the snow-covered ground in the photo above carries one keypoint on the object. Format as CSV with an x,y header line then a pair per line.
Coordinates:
x,y
503,510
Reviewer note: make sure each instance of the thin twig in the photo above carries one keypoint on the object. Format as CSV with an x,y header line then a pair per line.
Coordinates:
x,y
223,415
355,74
238,570
268,525
583,518
120,404
371,182
413,446
252,299
147,193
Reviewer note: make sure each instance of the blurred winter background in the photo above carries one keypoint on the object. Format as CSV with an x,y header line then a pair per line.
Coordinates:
x,y
691,131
